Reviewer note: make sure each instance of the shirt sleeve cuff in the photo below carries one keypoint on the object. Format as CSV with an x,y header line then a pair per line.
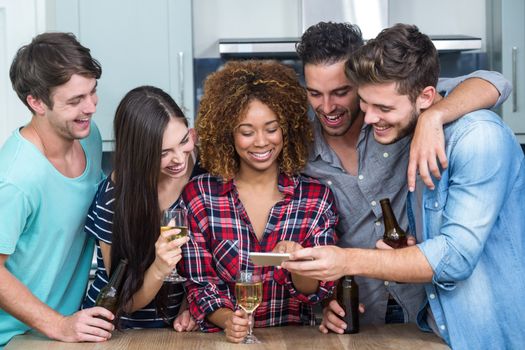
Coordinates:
x,y
200,308
499,82
324,290
436,252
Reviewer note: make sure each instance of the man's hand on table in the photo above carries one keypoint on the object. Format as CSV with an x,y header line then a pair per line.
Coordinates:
x,y
88,325
331,321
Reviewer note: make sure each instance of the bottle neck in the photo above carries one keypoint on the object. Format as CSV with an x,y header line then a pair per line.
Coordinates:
x,y
389,218
117,276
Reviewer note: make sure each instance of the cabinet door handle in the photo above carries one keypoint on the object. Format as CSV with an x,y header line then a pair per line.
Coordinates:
x,y
514,79
181,80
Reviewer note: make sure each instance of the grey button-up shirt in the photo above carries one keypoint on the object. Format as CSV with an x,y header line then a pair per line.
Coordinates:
x,y
381,174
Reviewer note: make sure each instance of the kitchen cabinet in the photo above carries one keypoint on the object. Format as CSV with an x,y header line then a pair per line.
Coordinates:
x,y
137,43
20,21
506,48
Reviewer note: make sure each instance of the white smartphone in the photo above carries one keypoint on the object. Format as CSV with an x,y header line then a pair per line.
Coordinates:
x,y
269,259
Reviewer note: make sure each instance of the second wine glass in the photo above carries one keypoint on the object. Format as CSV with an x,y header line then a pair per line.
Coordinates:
x,y
171,219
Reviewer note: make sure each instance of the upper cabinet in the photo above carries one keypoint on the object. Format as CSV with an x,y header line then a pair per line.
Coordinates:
x,y
137,43
506,48
20,21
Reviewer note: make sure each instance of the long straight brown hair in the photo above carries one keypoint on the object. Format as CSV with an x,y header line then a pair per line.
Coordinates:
x,y
140,121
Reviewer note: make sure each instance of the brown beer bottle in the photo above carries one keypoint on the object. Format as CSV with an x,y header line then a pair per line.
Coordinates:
x,y
348,299
394,236
107,298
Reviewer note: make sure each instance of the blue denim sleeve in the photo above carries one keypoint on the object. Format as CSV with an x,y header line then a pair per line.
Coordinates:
x,y
460,215
497,79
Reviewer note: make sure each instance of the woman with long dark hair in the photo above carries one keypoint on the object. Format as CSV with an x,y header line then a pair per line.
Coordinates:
x,y
154,159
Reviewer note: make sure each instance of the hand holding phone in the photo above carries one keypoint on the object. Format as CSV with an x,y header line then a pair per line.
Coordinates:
x,y
268,259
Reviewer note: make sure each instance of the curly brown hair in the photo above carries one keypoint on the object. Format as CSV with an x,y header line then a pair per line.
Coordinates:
x,y
227,94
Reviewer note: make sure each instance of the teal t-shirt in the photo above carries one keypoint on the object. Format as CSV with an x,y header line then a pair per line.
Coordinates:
x,y
42,215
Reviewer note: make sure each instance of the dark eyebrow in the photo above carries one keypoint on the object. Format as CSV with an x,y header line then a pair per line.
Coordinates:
x,y
311,90
375,104
342,88
267,123
185,136
82,95
338,89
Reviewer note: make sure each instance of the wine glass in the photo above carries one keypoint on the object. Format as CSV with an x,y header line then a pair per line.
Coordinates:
x,y
174,218
248,292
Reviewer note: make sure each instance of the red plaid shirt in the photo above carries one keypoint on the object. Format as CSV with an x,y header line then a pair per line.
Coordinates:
x,y
222,236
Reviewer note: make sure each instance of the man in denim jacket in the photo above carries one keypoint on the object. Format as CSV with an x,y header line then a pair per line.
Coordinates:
x,y
470,228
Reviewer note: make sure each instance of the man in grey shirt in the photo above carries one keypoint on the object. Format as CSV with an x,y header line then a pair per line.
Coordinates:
x,y
360,171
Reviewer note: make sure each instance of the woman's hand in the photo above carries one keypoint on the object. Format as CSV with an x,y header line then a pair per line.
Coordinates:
x,y
286,247
168,253
184,322
237,326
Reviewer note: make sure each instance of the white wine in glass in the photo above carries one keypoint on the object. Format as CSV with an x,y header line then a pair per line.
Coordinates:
x,y
249,295
183,231
174,219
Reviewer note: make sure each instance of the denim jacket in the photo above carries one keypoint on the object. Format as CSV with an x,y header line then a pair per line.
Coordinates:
x,y
473,236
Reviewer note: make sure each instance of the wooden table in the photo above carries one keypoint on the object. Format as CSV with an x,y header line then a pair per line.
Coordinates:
x,y
399,336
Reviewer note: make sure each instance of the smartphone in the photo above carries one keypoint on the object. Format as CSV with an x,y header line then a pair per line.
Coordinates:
x,y
269,259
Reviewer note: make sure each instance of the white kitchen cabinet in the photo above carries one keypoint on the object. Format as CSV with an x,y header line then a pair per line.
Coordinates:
x,y
20,21
506,47
137,43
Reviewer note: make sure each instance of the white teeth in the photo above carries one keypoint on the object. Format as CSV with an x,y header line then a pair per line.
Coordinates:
x,y
176,168
334,118
261,155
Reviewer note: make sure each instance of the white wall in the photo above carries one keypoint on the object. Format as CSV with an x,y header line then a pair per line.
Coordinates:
x,y
214,19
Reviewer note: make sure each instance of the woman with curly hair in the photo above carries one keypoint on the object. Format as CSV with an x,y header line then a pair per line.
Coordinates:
x,y
254,135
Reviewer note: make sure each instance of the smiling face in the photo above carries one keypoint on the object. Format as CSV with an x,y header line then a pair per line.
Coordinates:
x,y
391,115
332,96
177,145
258,138
74,104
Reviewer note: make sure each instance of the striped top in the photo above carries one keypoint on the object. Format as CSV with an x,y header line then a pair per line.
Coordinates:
x,y
99,224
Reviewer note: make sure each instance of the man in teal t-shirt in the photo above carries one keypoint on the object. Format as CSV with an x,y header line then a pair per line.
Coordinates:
x,y
49,172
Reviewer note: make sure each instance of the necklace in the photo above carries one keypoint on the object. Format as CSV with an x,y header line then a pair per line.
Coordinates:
x,y
35,131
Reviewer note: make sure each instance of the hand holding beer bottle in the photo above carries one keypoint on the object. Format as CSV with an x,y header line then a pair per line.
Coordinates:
x,y
348,299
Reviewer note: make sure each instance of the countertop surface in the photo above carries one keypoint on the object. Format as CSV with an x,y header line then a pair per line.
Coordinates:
x,y
399,336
